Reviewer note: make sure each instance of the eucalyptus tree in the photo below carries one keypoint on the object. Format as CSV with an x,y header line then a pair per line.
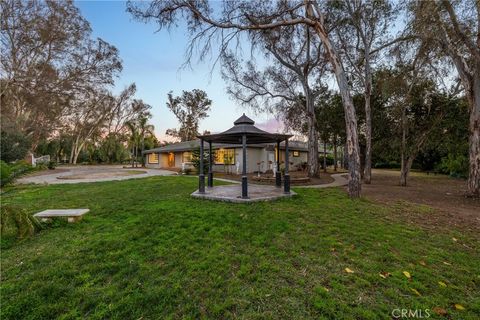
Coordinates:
x,y
189,108
87,120
48,60
453,27
296,64
363,32
228,19
414,109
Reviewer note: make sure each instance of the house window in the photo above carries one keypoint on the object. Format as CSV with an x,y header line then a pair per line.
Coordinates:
x,y
225,156
296,154
153,158
187,157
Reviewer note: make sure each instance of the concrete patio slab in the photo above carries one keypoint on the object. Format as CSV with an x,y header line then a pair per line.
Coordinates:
x,y
232,193
73,215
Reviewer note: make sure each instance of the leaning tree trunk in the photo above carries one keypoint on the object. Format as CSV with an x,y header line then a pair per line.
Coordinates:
x,y
367,173
474,139
354,180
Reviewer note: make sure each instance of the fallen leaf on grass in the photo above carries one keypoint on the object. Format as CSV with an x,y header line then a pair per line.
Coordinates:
x,y
442,284
326,289
348,270
384,275
459,306
455,239
415,291
446,263
440,311
407,274
422,263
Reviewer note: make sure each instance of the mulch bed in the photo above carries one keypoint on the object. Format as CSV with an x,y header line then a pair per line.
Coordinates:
x,y
444,194
297,178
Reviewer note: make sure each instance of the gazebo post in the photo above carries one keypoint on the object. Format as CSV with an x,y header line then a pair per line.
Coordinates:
x,y
201,176
210,163
278,174
286,178
244,170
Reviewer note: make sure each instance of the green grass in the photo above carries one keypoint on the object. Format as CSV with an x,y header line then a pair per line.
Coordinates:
x,y
149,251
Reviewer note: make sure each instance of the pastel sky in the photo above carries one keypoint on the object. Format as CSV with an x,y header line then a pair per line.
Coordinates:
x,y
153,60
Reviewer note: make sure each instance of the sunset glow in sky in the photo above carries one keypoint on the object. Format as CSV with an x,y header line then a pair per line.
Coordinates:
x,y
153,60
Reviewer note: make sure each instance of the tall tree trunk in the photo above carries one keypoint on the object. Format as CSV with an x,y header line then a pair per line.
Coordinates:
x,y
75,158
141,153
403,150
335,167
407,162
312,145
474,138
354,181
133,155
325,156
136,155
367,176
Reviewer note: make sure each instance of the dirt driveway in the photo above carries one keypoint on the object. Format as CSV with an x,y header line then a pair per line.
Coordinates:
x,y
446,195
82,173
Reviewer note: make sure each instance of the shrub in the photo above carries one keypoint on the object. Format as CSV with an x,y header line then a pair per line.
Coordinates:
x,y
6,173
10,172
387,165
330,161
196,160
454,165
15,219
52,165
303,166
14,145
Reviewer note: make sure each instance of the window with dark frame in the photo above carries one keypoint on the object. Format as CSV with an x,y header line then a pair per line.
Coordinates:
x,y
225,156
153,158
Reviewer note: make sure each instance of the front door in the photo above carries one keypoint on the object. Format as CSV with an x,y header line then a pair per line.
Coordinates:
x,y
171,160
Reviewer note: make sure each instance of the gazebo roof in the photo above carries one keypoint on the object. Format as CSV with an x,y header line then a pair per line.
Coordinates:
x,y
244,126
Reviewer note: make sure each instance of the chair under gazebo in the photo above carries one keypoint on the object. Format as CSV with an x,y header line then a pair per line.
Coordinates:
x,y
243,133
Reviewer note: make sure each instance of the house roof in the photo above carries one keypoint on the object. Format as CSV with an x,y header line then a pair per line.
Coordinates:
x,y
187,146
195,144
244,126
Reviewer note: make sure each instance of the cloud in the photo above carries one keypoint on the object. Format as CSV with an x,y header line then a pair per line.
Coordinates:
x,y
271,125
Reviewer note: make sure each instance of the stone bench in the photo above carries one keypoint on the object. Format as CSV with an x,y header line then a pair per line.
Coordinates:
x,y
73,215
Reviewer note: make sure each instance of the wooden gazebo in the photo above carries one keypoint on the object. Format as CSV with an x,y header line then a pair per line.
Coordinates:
x,y
243,133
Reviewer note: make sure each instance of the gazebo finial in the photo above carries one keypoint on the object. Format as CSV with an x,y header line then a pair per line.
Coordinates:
x,y
244,120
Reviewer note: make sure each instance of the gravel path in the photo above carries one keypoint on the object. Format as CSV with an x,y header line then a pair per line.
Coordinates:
x,y
91,174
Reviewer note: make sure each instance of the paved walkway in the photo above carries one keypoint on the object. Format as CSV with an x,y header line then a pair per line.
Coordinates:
x,y
340,180
91,174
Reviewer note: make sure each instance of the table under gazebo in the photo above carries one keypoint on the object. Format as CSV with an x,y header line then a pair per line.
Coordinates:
x,y
243,133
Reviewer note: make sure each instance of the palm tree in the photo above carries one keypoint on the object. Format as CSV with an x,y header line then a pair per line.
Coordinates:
x,y
145,130
133,139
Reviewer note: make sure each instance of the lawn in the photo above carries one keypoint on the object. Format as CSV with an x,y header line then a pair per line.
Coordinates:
x,y
149,251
